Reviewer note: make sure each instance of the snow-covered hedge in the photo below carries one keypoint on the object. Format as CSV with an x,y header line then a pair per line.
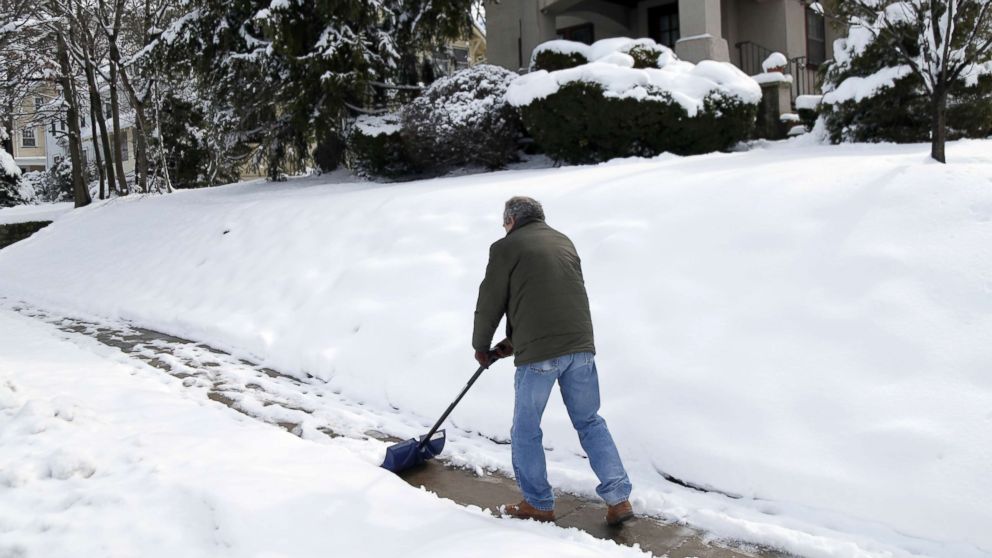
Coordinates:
x,y
462,120
612,108
375,147
871,94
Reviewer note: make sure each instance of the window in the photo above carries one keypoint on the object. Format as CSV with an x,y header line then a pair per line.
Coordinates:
x,y
663,24
106,109
82,120
53,127
578,33
38,103
27,137
816,38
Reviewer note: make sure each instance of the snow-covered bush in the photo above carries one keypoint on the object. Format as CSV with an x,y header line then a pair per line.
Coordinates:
x,y
375,147
462,119
53,185
871,94
10,176
559,55
610,108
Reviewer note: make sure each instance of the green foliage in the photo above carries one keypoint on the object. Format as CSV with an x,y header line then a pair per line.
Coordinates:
x,y
646,55
903,112
376,153
463,120
808,117
281,75
578,124
9,194
552,61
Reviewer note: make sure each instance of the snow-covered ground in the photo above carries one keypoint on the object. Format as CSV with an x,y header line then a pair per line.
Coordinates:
x,y
40,212
104,456
806,327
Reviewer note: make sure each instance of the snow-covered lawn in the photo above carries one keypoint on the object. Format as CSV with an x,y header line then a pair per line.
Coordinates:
x,y
103,456
806,327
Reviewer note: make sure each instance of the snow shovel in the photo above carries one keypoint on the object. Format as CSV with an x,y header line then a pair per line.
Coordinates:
x,y
413,452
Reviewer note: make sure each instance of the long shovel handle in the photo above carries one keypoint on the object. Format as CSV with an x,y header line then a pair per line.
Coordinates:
x,y
451,407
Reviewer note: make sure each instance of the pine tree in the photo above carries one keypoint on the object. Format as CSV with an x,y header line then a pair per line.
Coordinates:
x,y
291,71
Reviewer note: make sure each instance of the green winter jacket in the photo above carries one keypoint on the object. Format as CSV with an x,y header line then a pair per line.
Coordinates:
x,y
534,276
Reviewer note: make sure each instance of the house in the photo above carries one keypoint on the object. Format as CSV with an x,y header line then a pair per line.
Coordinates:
x,y
28,137
744,32
39,134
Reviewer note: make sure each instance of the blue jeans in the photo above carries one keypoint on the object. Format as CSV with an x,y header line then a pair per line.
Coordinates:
x,y
579,384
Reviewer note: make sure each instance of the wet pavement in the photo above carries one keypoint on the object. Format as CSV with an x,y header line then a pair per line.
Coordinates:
x,y
310,409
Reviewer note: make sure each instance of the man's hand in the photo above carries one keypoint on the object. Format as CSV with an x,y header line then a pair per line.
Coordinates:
x,y
486,358
503,349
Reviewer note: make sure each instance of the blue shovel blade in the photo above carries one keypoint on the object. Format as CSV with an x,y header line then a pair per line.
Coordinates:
x,y
407,454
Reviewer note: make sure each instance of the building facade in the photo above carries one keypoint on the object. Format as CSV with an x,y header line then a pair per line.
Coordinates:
x,y
40,133
743,32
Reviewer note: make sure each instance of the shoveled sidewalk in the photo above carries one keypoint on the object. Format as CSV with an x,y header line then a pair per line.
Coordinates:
x,y
271,397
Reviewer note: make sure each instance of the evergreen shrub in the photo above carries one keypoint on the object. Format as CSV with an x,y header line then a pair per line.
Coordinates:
x,y
462,120
579,124
376,148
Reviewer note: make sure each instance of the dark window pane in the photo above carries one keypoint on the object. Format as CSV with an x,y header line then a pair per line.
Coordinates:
x,y
663,24
816,38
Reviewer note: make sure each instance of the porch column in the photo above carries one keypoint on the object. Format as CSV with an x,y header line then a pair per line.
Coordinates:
x,y
702,32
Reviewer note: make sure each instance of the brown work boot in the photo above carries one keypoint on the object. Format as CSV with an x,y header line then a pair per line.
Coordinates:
x,y
523,510
615,515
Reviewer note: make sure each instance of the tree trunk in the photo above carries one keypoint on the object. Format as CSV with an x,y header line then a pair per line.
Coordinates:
x,y
81,193
140,123
94,101
938,131
100,123
115,111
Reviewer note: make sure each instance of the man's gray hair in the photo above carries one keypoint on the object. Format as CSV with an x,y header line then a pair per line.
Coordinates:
x,y
521,208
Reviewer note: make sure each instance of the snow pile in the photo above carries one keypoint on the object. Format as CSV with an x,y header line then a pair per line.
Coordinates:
x,y
808,102
7,165
612,68
109,458
774,61
803,326
34,212
561,46
376,125
860,88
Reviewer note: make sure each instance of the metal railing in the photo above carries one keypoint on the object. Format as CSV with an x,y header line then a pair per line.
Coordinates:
x,y
804,77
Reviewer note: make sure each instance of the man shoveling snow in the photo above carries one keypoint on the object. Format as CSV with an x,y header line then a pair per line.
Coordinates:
x,y
534,276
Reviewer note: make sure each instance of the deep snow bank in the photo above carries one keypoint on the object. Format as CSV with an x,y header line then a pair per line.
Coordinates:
x,y
807,327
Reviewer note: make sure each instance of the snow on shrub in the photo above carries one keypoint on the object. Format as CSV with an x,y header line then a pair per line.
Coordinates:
x,y
559,55
10,175
462,120
375,146
871,94
611,108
